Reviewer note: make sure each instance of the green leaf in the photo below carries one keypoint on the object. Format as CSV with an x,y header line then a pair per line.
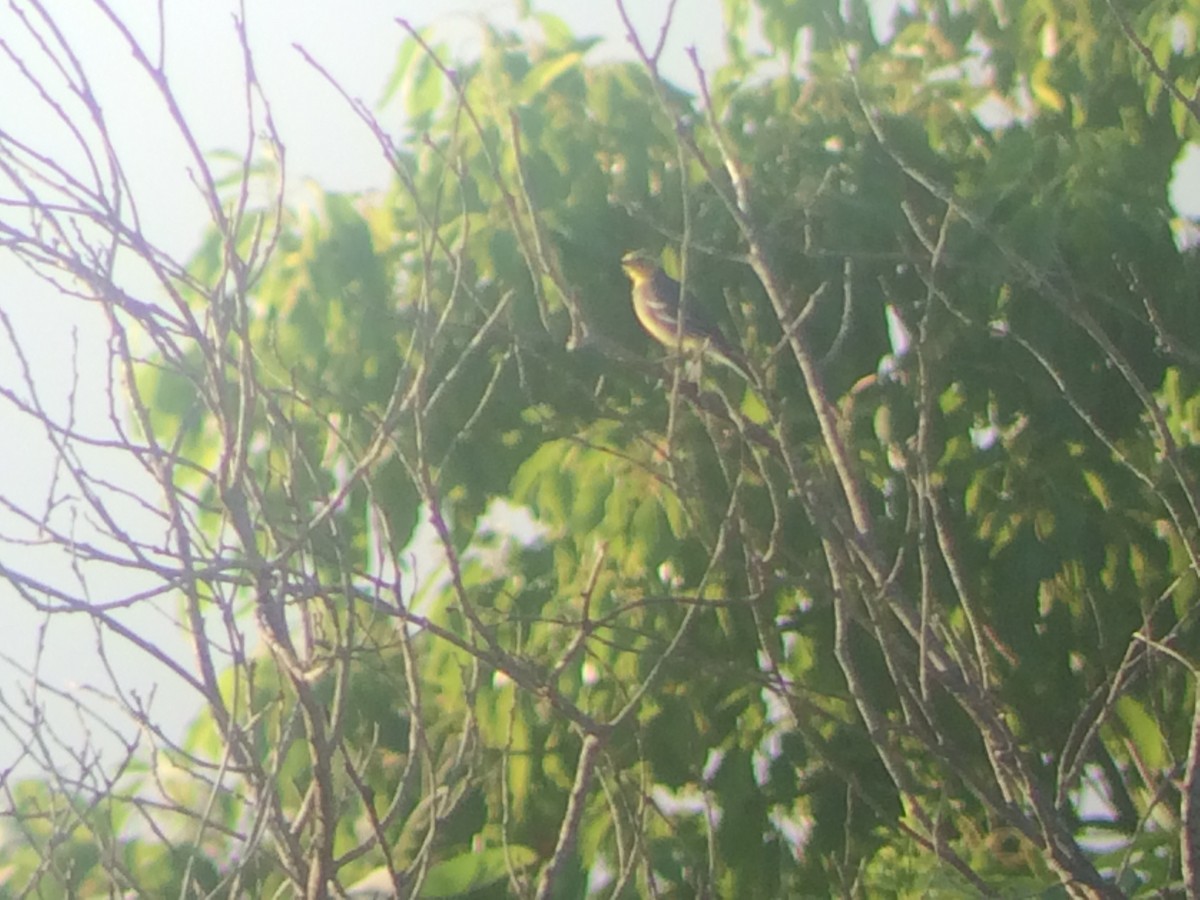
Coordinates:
x,y
423,91
1043,89
409,48
1142,727
460,875
542,76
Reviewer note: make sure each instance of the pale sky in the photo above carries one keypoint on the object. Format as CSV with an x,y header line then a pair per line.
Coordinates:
x,y
326,144
63,342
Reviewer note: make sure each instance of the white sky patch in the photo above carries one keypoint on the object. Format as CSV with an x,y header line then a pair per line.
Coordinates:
x,y
1093,805
898,337
985,437
513,521
1185,185
589,673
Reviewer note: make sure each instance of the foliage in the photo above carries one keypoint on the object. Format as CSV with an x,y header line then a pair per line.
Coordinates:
x,y
894,622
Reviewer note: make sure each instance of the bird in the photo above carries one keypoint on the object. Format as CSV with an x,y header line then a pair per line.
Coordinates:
x,y
657,305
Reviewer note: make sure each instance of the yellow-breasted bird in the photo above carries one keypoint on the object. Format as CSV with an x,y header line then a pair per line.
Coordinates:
x,y
656,302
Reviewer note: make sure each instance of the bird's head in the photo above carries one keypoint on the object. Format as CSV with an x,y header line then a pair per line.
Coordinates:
x,y
639,265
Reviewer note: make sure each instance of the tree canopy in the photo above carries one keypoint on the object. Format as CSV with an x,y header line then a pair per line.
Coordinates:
x,y
912,616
